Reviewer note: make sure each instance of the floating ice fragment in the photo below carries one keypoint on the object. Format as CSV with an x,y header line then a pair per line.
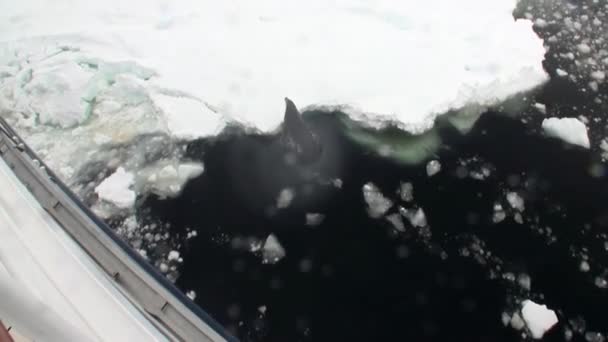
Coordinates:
x,y
416,217
598,75
285,197
570,130
433,167
396,221
517,322
540,107
516,201
538,318
116,189
593,336
314,219
272,251
406,190
539,22
376,202
173,256
583,48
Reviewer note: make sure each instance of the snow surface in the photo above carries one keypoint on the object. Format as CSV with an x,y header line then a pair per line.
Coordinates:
x,y
570,130
116,189
382,60
538,318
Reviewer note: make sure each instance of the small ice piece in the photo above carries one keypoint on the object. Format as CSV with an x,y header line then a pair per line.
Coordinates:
x,y
524,281
396,221
169,180
406,191
538,318
561,73
163,268
517,322
598,75
433,167
601,282
540,107
262,309
376,202
499,213
416,217
516,201
191,294
314,219
594,336
584,266
539,22
583,48
173,256
505,318
570,130
189,170
116,189
272,251
285,197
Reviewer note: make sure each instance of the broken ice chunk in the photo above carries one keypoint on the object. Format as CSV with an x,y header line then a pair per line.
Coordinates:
x,y
516,201
433,167
272,251
376,202
416,217
116,189
570,130
538,318
406,191
314,219
173,256
397,222
285,197
541,107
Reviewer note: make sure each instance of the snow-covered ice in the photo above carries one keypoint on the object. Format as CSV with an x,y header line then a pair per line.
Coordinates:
x,y
538,318
570,130
116,189
239,59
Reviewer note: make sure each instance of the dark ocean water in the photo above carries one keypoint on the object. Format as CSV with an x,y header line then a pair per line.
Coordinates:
x,y
358,278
